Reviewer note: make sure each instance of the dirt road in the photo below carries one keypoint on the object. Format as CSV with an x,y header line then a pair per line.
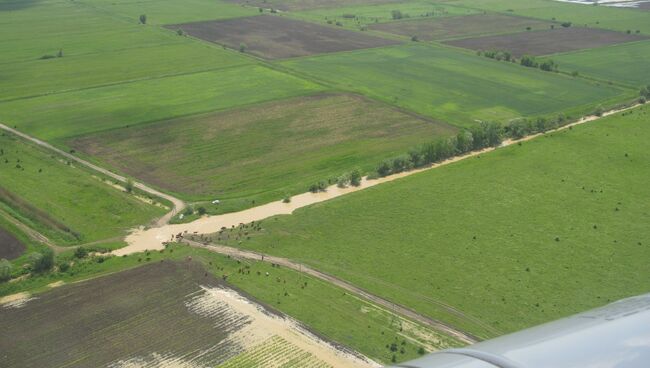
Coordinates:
x,y
396,308
179,205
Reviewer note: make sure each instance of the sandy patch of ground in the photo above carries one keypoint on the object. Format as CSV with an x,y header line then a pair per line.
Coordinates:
x,y
55,284
15,300
263,326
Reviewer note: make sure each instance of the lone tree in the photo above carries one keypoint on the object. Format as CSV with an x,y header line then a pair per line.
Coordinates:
x,y
242,47
396,14
143,18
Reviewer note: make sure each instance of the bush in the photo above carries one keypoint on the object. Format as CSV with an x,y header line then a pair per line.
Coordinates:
x,y
5,270
64,267
396,14
143,19
128,186
180,32
355,177
202,211
42,261
80,252
242,47
384,169
286,199
342,181
45,57
566,24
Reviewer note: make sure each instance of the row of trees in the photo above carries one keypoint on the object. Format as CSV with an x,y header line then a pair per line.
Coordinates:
x,y
483,135
547,65
478,137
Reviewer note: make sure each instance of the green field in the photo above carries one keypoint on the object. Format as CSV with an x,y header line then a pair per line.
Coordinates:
x,y
45,27
64,115
513,238
361,15
63,202
328,310
628,63
618,19
172,11
39,77
455,87
268,150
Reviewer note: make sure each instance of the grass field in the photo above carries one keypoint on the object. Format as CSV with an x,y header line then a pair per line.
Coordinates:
x,y
357,16
326,309
44,27
272,149
628,63
461,27
64,115
274,37
618,19
454,87
546,42
172,11
39,77
513,238
63,202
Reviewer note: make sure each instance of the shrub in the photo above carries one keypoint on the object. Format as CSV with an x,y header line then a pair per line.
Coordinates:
x,y
355,177
202,211
313,188
415,38
180,32
64,267
143,19
286,199
80,252
42,261
242,47
421,350
566,24
129,186
45,57
384,169
396,14
342,181
5,270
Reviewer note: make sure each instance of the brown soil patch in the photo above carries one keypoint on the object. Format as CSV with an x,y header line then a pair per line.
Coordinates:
x,y
10,247
460,27
547,42
276,37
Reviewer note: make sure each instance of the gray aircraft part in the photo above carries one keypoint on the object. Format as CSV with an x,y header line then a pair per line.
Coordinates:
x,y
614,336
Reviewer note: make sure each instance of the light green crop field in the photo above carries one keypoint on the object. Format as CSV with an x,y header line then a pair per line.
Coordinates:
x,y
32,29
619,19
627,63
455,87
512,238
63,202
39,77
172,11
65,115
360,15
269,150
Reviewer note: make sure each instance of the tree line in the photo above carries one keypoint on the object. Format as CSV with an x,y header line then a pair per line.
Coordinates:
x,y
547,65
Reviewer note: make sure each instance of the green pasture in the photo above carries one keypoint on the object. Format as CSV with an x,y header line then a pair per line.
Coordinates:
x,y
453,86
511,239
264,151
39,77
360,15
618,19
63,115
627,63
172,11
46,190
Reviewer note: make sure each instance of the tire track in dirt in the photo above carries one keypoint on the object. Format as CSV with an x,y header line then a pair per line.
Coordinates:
x,y
394,307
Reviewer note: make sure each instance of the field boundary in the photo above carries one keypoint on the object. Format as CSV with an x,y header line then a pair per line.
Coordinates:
x,y
391,306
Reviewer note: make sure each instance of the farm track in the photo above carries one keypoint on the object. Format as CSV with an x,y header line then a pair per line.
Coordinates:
x,y
178,205
394,307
